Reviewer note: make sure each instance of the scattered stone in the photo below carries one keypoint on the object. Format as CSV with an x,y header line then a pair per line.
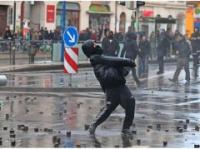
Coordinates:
x,y
78,145
15,96
5,128
41,112
185,126
78,105
187,121
90,108
20,101
65,103
197,128
86,126
166,130
180,130
12,135
117,146
13,143
148,130
68,133
196,146
150,127
27,110
134,132
12,131
56,145
65,111
58,140
138,142
36,129
1,142
54,139
7,98
7,116
164,143
158,126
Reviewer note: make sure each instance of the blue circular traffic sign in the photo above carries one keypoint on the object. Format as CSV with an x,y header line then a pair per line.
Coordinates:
x,y
70,36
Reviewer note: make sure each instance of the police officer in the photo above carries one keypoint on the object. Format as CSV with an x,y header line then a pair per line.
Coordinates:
x,y
130,50
183,52
110,73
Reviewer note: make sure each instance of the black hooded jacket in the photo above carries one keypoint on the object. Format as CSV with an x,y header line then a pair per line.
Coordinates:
x,y
110,71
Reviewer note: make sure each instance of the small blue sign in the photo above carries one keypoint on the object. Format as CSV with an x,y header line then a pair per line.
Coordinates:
x,y
70,36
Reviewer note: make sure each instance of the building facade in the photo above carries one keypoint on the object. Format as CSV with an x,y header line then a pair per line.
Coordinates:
x,y
90,14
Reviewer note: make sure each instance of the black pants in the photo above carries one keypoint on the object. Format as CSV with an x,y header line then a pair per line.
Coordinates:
x,y
115,96
182,63
161,63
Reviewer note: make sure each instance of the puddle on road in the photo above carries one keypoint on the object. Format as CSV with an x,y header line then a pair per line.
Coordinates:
x,y
52,121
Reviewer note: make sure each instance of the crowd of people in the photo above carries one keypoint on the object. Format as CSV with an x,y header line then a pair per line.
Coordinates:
x,y
34,34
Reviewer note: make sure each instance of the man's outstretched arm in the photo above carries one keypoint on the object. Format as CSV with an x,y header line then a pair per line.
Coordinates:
x,y
112,61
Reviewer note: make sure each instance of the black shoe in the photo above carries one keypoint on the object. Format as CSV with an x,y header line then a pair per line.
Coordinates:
x,y
160,72
92,129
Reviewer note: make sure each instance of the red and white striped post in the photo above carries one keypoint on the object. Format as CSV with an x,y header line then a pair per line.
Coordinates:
x,y
70,60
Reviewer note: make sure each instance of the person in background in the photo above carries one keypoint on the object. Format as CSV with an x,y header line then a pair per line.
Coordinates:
x,y
144,48
183,52
110,45
7,34
130,50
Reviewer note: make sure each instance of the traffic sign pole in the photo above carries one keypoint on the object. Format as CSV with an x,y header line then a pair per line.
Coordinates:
x,y
63,28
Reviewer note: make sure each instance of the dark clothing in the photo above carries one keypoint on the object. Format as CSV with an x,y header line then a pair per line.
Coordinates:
x,y
7,34
163,47
110,47
130,50
117,96
182,63
184,52
109,70
110,73
195,41
183,48
145,49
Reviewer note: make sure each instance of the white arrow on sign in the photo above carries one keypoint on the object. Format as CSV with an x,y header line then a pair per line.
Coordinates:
x,y
72,39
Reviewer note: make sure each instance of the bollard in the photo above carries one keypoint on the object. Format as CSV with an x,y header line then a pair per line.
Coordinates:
x,y
3,80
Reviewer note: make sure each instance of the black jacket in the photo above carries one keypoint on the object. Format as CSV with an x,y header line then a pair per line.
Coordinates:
x,y
183,48
145,48
195,41
110,71
110,47
131,49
